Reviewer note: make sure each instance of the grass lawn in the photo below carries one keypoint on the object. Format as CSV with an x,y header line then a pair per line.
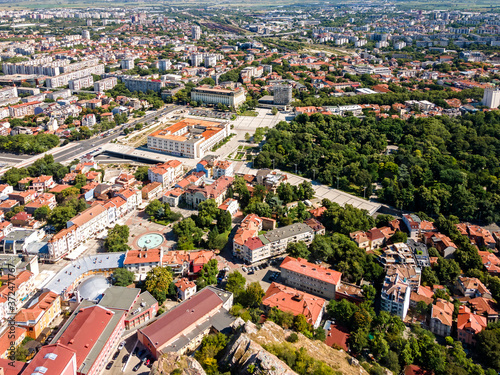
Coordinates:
x,y
249,113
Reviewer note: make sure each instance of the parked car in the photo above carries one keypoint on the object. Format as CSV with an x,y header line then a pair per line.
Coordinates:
x,y
117,353
109,365
125,358
141,353
137,366
148,362
244,269
122,345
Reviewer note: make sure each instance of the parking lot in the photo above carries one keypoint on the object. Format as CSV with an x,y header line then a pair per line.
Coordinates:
x,y
128,359
263,275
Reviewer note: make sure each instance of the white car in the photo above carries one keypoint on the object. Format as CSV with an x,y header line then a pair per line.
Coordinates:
x,y
244,269
122,344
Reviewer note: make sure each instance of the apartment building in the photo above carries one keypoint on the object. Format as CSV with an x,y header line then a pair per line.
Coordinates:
x,y
196,32
81,83
185,288
412,222
469,325
215,95
395,296
190,138
217,191
89,120
282,94
63,79
310,277
223,168
105,84
22,287
142,84
23,109
295,302
166,173
252,247
39,314
55,359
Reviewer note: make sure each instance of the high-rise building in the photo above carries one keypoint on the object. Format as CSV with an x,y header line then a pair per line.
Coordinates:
x,y
127,64
196,32
86,34
282,94
196,59
164,65
491,98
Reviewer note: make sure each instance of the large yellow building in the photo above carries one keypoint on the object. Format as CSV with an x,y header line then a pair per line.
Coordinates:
x,y
40,314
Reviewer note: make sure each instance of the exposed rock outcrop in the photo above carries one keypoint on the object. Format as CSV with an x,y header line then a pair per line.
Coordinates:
x,y
171,361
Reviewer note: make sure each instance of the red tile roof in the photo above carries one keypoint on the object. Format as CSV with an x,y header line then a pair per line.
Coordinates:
x,y
318,272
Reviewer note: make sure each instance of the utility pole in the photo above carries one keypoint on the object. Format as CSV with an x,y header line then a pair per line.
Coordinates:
x,y
295,168
364,192
314,174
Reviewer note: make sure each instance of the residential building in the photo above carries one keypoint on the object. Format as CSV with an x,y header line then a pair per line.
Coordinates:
x,y
441,321
18,289
295,302
63,79
230,205
105,84
142,84
127,64
217,191
89,120
81,83
472,287
412,222
395,296
166,173
10,340
309,277
406,272
215,95
185,288
223,168
172,197
151,191
485,307
490,262
190,138
183,327
39,314
469,325
23,109
43,183
491,97
196,32
252,247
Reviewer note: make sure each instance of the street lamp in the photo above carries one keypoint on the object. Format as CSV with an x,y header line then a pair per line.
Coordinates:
x,y
295,168
364,192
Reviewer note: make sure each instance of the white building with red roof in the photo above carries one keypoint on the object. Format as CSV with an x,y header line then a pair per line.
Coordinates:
x,y
185,288
166,173
310,277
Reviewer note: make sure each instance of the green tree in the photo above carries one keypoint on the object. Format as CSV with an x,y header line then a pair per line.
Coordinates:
x,y
141,173
123,277
253,295
298,250
188,234
117,238
208,274
42,213
60,215
236,283
80,180
224,221
157,283
300,323
399,236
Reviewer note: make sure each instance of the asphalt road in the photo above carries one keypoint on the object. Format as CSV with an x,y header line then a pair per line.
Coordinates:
x,y
87,145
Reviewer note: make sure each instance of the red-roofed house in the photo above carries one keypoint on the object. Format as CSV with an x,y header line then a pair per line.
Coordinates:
x,y
468,325
185,288
442,318
491,262
310,277
295,302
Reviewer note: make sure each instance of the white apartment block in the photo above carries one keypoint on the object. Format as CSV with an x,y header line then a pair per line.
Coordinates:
x,y
164,65
8,92
196,32
80,83
127,64
190,138
395,296
105,84
491,98
63,79
213,95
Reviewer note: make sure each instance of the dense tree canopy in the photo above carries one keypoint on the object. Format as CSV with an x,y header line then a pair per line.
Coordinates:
x,y
441,165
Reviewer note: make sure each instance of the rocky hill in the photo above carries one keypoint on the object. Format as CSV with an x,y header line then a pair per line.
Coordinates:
x,y
246,353
170,362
